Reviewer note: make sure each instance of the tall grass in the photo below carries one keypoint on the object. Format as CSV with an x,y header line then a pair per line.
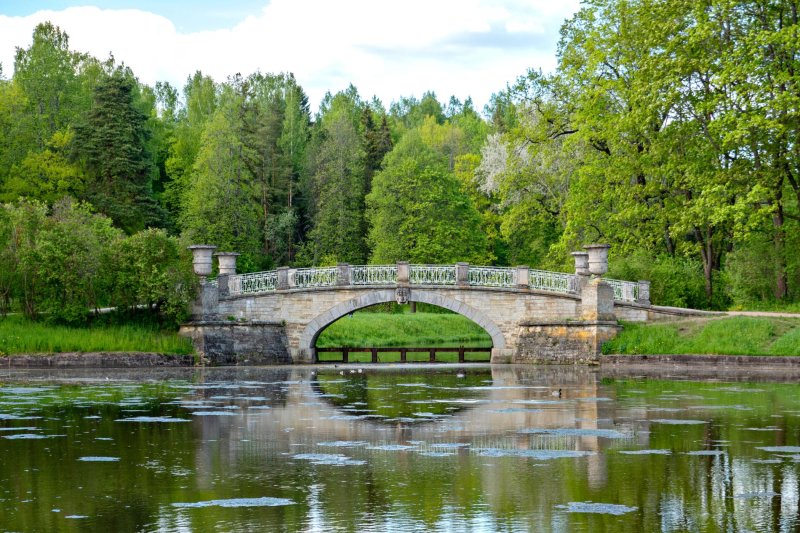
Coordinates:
x,y
19,335
406,330
727,336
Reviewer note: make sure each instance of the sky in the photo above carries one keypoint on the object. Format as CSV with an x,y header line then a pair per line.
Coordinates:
x,y
386,48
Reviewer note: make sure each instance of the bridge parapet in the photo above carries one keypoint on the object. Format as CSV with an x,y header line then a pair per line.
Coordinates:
x,y
425,275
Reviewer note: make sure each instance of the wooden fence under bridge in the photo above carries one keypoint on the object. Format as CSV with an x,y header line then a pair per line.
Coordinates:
x,y
461,351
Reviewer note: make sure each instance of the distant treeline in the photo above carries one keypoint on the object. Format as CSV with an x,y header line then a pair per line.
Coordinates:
x,y
668,130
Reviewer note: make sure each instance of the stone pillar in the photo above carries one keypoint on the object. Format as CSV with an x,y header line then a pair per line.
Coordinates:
x,y
292,278
201,259
403,273
343,274
222,286
523,277
206,302
644,292
598,258
283,278
581,269
597,301
227,263
462,274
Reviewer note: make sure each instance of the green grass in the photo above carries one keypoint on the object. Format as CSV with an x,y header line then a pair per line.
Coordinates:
x,y
19,335
726,336
408,330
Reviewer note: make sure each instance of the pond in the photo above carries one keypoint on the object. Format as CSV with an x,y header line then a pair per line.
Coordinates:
x,y
445,448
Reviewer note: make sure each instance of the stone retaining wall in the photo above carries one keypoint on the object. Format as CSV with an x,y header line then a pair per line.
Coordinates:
x,y
225,342
96,360
562,342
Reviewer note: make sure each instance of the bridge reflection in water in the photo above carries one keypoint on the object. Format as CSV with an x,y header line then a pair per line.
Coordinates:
x,y
486,408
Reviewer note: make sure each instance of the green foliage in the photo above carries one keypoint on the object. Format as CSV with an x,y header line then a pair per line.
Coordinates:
x,y
418,211
152,269
72,261
338,184
674,281
222,206
726,336
112,143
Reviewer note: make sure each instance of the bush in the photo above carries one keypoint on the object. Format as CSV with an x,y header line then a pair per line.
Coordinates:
x,y
72,261
674,281
153,270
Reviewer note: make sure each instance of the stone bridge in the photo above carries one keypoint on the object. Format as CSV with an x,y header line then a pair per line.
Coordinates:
x,y
530,315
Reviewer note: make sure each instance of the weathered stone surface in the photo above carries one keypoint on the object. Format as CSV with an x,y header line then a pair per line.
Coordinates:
x,y
306,312
597,301
96,360
238,343
562,342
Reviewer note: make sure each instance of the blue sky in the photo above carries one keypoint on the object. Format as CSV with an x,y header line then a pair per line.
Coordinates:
x,y
389,49
187,15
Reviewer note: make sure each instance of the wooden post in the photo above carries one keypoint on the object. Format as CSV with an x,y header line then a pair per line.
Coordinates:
x,y
374,355
402,355
461,354
432,358
345,355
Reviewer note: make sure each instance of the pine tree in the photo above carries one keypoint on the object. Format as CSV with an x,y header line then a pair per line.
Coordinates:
x,y
112,144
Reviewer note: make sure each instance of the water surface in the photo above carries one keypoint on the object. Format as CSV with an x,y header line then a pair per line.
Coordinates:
x,y
420,449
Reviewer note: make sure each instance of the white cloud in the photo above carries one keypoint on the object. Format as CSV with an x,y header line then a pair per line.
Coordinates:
x,y
461,47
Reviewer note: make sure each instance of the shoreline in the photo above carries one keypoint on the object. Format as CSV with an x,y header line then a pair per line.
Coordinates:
x,y
97,360
157,360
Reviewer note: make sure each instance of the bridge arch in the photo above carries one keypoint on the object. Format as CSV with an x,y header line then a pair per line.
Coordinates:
x,y
310,333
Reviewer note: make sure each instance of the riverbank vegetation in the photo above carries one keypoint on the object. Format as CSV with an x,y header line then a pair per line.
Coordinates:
x,y
19,335
727,336
667,130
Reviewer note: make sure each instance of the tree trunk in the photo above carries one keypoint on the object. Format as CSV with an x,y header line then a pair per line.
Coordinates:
x,y
779,239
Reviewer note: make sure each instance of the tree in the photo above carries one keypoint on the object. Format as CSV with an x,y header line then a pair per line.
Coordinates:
x,y
73,262
338,182
418,212
200,95
111,143
222,204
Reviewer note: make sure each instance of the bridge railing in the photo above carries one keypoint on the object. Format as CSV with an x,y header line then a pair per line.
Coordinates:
x,y
373,274
473,276
484,276
253,283
624,291
432,275
546,280
313,277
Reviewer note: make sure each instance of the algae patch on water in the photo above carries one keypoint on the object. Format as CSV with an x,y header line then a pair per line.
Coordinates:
x,y
237,502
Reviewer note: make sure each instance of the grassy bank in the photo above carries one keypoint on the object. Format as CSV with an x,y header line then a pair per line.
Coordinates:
x,y
370,329
727,336
18,335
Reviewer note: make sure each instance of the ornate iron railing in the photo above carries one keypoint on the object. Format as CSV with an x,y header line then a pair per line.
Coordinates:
x,y
312,277
432,275
477,276
252,283
482,276
624,291
373,274
552,281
